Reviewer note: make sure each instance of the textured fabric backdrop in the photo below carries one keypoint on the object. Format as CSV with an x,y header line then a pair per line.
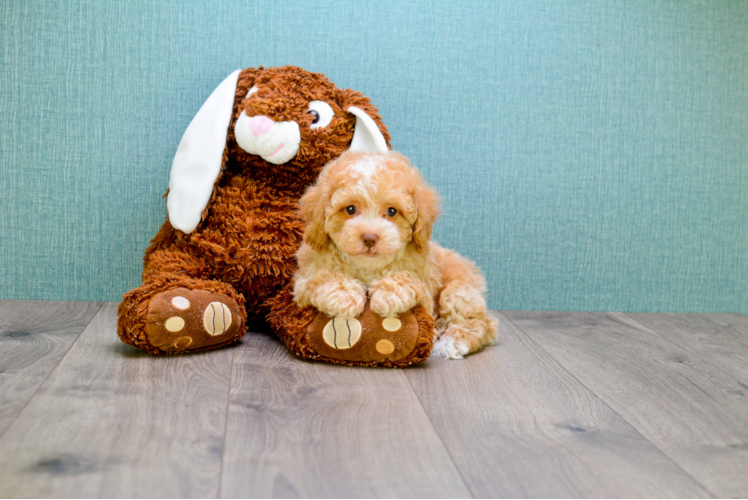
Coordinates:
x,y
591,155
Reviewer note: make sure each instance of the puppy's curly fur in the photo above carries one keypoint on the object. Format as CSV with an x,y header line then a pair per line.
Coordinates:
x,y
368,228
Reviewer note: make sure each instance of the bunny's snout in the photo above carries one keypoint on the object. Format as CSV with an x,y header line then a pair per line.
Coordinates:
x,y
275,142
260,124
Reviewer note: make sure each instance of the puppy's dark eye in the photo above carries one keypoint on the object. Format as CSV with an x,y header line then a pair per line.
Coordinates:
x,y
315,115
350,210
391,212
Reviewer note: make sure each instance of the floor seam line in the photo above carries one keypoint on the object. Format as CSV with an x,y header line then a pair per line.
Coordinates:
x,y
603,401
441,440
738,335
666,339
98,310
226,424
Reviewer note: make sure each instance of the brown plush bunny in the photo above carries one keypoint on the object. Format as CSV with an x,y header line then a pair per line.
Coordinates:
x,y
225,255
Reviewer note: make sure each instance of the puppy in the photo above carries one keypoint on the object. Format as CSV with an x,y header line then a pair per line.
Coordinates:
x,y
368,227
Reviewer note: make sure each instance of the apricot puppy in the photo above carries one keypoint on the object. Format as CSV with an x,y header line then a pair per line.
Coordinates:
x,y
368,227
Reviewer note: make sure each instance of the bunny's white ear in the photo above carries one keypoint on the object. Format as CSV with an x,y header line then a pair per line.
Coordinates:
x,y
366,135
197,162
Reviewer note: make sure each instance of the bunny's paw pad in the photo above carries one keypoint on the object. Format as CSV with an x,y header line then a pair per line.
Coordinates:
x,y
368,338
182,320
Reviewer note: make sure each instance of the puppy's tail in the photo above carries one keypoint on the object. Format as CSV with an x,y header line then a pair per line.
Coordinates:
x,y
463,323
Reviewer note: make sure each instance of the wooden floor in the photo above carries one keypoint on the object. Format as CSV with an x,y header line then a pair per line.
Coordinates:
x,y
566,405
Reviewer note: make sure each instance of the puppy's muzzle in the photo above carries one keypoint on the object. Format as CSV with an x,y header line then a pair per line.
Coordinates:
x,y
275,142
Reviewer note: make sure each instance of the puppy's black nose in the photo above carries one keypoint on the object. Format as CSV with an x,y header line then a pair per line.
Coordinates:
x,y
370,239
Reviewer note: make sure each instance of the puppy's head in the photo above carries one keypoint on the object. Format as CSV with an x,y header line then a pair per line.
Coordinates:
x,y
373,207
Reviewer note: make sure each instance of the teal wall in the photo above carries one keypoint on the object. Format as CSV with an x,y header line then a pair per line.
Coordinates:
x,y
591,155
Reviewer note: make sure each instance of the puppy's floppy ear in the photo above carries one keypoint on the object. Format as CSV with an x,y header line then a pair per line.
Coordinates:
x,y
427,209
199,157
312,208
369,133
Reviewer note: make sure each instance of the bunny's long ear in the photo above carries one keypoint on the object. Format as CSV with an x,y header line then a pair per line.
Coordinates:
x,y
369,133
366,134
198,159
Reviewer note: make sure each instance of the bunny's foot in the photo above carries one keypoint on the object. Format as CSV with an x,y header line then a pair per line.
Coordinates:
x,y
368,340
371,339
182,320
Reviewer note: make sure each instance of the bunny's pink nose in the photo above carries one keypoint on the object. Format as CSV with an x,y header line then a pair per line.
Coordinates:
x,y
260,124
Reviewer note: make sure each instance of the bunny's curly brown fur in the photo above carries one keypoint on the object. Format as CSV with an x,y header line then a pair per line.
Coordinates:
x,y
242,251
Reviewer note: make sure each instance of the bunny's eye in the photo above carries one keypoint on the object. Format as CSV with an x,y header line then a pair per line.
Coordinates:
x,y
322,114
350,209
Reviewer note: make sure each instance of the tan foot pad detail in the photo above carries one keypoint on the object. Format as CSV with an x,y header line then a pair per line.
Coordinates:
x,y
384,346
217,318
367,338
391,324
181,319
342,333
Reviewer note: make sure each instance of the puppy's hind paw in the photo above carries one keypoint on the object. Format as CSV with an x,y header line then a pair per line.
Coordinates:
x,y
449,348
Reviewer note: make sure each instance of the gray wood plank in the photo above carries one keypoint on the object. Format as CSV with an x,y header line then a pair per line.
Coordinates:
x,y
112,421
518,425
305,429
731,325
34,336
693,412
700,336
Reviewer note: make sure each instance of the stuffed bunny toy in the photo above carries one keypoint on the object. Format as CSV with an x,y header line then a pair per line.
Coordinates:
x,y
226,254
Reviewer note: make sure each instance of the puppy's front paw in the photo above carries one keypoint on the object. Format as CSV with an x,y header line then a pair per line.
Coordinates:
x,y
449,348
340,298
392,301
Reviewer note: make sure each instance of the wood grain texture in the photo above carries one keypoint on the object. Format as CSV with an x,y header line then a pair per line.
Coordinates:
x,y
703,338
305,429
695,413
732,325
568,404
34,337
518,425
111,421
